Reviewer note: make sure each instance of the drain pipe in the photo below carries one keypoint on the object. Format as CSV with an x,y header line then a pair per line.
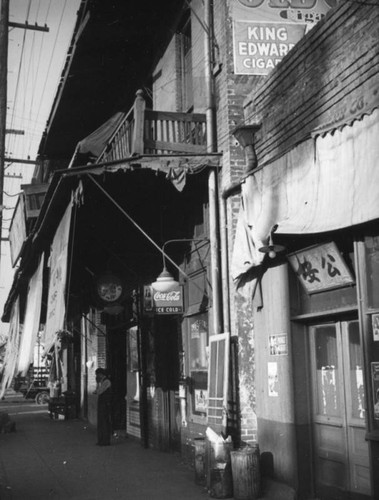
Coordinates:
x,y
212,179
245,134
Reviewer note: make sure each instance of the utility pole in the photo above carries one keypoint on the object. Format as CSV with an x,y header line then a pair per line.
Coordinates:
x,y
4,19
4,26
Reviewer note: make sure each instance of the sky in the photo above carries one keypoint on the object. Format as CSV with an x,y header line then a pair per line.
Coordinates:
x,y
35,63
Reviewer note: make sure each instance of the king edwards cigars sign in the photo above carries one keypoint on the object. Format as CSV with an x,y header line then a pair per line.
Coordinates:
x,y
264,31
168,302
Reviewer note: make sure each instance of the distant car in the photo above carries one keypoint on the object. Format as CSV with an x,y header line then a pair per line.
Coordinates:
x,y
34,389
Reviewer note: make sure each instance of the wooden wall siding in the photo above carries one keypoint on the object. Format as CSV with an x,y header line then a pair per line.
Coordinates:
x,y
331,76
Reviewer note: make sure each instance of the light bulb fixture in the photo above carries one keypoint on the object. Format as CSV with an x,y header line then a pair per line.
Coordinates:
x,y
271,249
165,281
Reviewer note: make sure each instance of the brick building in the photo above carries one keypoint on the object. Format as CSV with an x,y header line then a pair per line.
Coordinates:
x,y
254,344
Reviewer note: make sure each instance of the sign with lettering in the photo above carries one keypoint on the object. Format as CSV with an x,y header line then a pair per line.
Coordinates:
x,y
266,30
278,344
259,47
169,302
320,268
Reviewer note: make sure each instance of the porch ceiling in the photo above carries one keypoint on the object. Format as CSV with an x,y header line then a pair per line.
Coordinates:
x,y
111,59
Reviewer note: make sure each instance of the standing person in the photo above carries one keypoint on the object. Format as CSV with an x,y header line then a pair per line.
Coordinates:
x,y
104,405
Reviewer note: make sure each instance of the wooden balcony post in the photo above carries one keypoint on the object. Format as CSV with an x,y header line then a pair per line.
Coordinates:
x,y
139,118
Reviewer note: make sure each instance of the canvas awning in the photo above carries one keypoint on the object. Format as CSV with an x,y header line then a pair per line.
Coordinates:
x,y
94,143
31,320
326,183
56,303
11,354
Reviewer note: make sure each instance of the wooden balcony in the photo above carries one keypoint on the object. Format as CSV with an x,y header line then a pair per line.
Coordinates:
x,y
144,131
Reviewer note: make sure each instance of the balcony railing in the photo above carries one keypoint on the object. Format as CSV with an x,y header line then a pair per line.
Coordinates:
x,y
144,131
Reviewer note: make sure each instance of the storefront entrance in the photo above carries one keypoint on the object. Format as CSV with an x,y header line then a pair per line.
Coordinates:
x,y
166,435
341,461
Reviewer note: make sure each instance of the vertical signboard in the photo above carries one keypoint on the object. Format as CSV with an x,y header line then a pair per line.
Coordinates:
x,y
264,31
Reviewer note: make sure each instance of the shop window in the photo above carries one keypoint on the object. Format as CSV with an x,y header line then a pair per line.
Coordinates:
x,y
198,362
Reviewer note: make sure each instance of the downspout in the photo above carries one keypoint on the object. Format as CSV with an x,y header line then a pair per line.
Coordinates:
x,y
231,190
212,180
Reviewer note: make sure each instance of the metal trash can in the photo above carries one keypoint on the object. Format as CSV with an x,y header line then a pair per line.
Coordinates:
x,y
246,472
200,463
220,481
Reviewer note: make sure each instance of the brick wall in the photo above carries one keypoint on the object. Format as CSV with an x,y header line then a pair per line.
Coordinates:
x,y
329,77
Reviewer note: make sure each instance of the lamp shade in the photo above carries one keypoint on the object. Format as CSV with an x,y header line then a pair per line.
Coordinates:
x,y
165,282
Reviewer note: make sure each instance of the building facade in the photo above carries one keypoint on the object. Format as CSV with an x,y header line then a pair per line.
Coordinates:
x,y
248,171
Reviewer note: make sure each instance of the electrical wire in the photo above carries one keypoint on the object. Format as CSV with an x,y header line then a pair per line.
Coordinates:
x,y
51,58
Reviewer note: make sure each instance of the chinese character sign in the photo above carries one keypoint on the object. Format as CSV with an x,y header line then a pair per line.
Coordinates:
x,y
320,268
266,30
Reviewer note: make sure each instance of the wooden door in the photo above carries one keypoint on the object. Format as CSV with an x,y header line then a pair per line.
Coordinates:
x,y
340,451
167,380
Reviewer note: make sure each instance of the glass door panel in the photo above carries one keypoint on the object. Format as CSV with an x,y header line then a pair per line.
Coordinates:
x,y
340,450
328,372
355,367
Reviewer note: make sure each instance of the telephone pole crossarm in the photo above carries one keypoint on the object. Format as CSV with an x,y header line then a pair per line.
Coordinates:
x,y
28,26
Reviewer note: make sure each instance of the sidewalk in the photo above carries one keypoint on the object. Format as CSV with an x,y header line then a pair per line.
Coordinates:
x,y
57,459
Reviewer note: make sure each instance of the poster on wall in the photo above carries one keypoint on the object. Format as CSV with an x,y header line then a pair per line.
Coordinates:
x,y
375,327
264,31
375,388
201,397
272,370
278,344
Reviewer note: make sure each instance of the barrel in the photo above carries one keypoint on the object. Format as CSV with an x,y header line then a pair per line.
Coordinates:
x,y
220,482
246,473
200,463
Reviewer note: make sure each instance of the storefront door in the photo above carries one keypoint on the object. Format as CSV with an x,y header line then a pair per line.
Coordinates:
x,y
167,380
340,451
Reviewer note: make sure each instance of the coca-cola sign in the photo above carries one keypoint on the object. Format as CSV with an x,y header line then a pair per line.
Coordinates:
x,y
168,302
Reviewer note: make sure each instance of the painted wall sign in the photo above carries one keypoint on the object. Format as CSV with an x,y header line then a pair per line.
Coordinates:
x,y
321,267
278,344
264,31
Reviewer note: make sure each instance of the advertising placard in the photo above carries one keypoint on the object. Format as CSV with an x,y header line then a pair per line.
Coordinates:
x,y
168,302
264,31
